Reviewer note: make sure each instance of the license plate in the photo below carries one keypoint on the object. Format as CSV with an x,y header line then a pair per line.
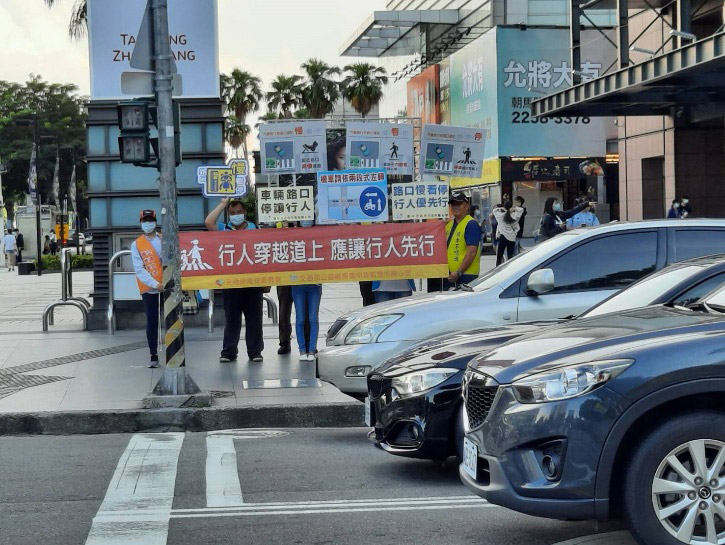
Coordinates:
x,y
470,459
368,412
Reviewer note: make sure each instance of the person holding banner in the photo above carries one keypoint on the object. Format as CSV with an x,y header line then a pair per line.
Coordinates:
x,y
463,235
238,301
146,257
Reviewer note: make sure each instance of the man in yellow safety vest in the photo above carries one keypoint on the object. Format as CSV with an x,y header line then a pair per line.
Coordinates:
x,y
464,242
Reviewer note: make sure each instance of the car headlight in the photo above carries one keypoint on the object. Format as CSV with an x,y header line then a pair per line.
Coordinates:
x,y
568,382
420,381
369,330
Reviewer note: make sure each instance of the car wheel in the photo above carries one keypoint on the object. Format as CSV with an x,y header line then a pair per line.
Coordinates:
x,y
458,433
675,483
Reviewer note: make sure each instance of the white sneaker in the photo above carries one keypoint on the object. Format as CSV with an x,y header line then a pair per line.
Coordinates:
x,y
303,356
311,357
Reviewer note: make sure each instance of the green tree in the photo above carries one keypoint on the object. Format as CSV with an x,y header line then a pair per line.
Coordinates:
x,y
321,90
78,24
285,96
363,86
60,113
242,94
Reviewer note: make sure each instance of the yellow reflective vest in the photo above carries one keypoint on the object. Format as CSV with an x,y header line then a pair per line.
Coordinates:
x,y
457,248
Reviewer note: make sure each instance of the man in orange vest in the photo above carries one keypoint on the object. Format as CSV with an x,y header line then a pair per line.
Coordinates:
x,y
146,255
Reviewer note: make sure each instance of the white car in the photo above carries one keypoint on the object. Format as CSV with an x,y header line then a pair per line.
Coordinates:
x,y
560,277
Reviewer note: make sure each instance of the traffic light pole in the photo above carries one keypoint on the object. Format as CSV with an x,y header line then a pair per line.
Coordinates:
x,y
174,380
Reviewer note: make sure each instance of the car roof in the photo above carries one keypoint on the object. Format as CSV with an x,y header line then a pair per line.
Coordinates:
x,y
651,224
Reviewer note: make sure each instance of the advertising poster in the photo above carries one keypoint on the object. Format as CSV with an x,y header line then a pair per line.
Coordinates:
x,y
380,145
352,196
419,201
113,34
452,151
285,204
294,147
444,84
283,257
423,96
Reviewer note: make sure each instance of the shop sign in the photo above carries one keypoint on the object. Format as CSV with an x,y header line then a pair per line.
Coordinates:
x,y
285,204
352,196
282,257
451,151
380,145
552,170
419,201
296,147
231,180
444,79
490,174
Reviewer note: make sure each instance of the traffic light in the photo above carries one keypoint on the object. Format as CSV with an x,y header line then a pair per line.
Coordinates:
x,y
134,143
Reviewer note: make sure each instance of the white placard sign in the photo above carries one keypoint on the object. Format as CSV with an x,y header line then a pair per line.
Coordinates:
x,y
452,151
380,145
113,29
419,201
285,204
295,147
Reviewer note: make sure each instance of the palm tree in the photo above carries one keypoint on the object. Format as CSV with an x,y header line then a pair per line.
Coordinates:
x,y
321,92
78,25
235,133
242,93
285,96
363,86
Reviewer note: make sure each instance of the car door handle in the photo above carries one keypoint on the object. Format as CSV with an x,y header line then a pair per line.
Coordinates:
x,y
506,317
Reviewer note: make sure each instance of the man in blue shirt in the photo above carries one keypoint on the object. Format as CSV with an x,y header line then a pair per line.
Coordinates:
x,y
463,236
239,300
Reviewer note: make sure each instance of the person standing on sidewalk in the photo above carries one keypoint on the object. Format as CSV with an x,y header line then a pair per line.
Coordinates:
x,y
10,249
20,241
464,236
508,226
146,257
519,203
238,301
53,243
307,312
284,296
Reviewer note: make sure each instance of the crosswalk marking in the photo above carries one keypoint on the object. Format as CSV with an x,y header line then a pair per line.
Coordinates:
x,y
222,478
143,483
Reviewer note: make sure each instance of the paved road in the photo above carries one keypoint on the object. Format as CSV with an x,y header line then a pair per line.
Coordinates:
x,y
311,486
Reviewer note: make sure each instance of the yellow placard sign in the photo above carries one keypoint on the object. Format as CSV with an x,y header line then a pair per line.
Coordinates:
x,y
490,174
226,180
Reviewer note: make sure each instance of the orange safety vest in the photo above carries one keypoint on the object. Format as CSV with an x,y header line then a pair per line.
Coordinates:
x,y
151,262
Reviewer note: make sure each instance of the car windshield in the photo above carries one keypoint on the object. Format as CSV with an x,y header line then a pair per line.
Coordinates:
x,y
645,292
523,262
716,300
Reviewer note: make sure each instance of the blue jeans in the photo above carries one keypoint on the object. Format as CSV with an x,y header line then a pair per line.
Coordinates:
x,y
307,306
382,296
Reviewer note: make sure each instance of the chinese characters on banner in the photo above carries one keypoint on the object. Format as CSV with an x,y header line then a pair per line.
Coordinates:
x,y
380,145
352,196
452,151
285,204
279,257
418,201
293,147
542,74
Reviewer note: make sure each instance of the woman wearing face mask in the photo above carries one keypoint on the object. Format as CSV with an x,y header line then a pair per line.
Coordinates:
x,y
238,301
146,256
508,218
675,211
554,219
307,309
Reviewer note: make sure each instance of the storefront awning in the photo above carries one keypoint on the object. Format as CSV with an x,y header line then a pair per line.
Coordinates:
x,y
395,33
690,76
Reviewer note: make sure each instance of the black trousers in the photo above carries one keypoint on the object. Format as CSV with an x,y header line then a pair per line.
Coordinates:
x,y
151,306
20,255
368,296
247,301
284,294
504,244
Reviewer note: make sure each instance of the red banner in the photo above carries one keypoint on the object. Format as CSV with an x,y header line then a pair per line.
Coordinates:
x,y
341,253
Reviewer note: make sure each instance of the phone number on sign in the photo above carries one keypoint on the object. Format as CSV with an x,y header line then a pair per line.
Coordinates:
x,y
526,117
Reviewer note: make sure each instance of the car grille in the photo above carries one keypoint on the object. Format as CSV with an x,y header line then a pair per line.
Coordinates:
x,y
480,392
335,328
377,385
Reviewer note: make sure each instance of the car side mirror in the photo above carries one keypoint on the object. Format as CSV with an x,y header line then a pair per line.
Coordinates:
x,y
540,282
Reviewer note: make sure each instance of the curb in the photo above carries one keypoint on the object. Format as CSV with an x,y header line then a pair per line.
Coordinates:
x,y
613,538
327,415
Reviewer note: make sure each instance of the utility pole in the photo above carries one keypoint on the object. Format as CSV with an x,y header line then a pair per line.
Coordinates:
x,y
38,239
174,380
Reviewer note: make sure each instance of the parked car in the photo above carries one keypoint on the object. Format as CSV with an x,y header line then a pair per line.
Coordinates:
x,y
77,239
560,277
414,399
619,414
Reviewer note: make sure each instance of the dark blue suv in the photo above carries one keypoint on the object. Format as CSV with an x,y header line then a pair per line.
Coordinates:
x,y
618,415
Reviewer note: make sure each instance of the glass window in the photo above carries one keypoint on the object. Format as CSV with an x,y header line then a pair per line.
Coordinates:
x,y
611,262
698,242
695,293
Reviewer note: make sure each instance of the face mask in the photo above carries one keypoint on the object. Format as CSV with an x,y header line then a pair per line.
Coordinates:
x,y
236,219
675,205
148,227
685,201
556,207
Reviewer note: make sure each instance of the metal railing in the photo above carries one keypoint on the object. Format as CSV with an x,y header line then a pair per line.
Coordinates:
x,y
66,287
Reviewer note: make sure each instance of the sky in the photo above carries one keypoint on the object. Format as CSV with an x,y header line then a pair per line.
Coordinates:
x,y
265,37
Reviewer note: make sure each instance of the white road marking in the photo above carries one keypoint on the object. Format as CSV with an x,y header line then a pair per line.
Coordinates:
x,y
143,483
222,478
